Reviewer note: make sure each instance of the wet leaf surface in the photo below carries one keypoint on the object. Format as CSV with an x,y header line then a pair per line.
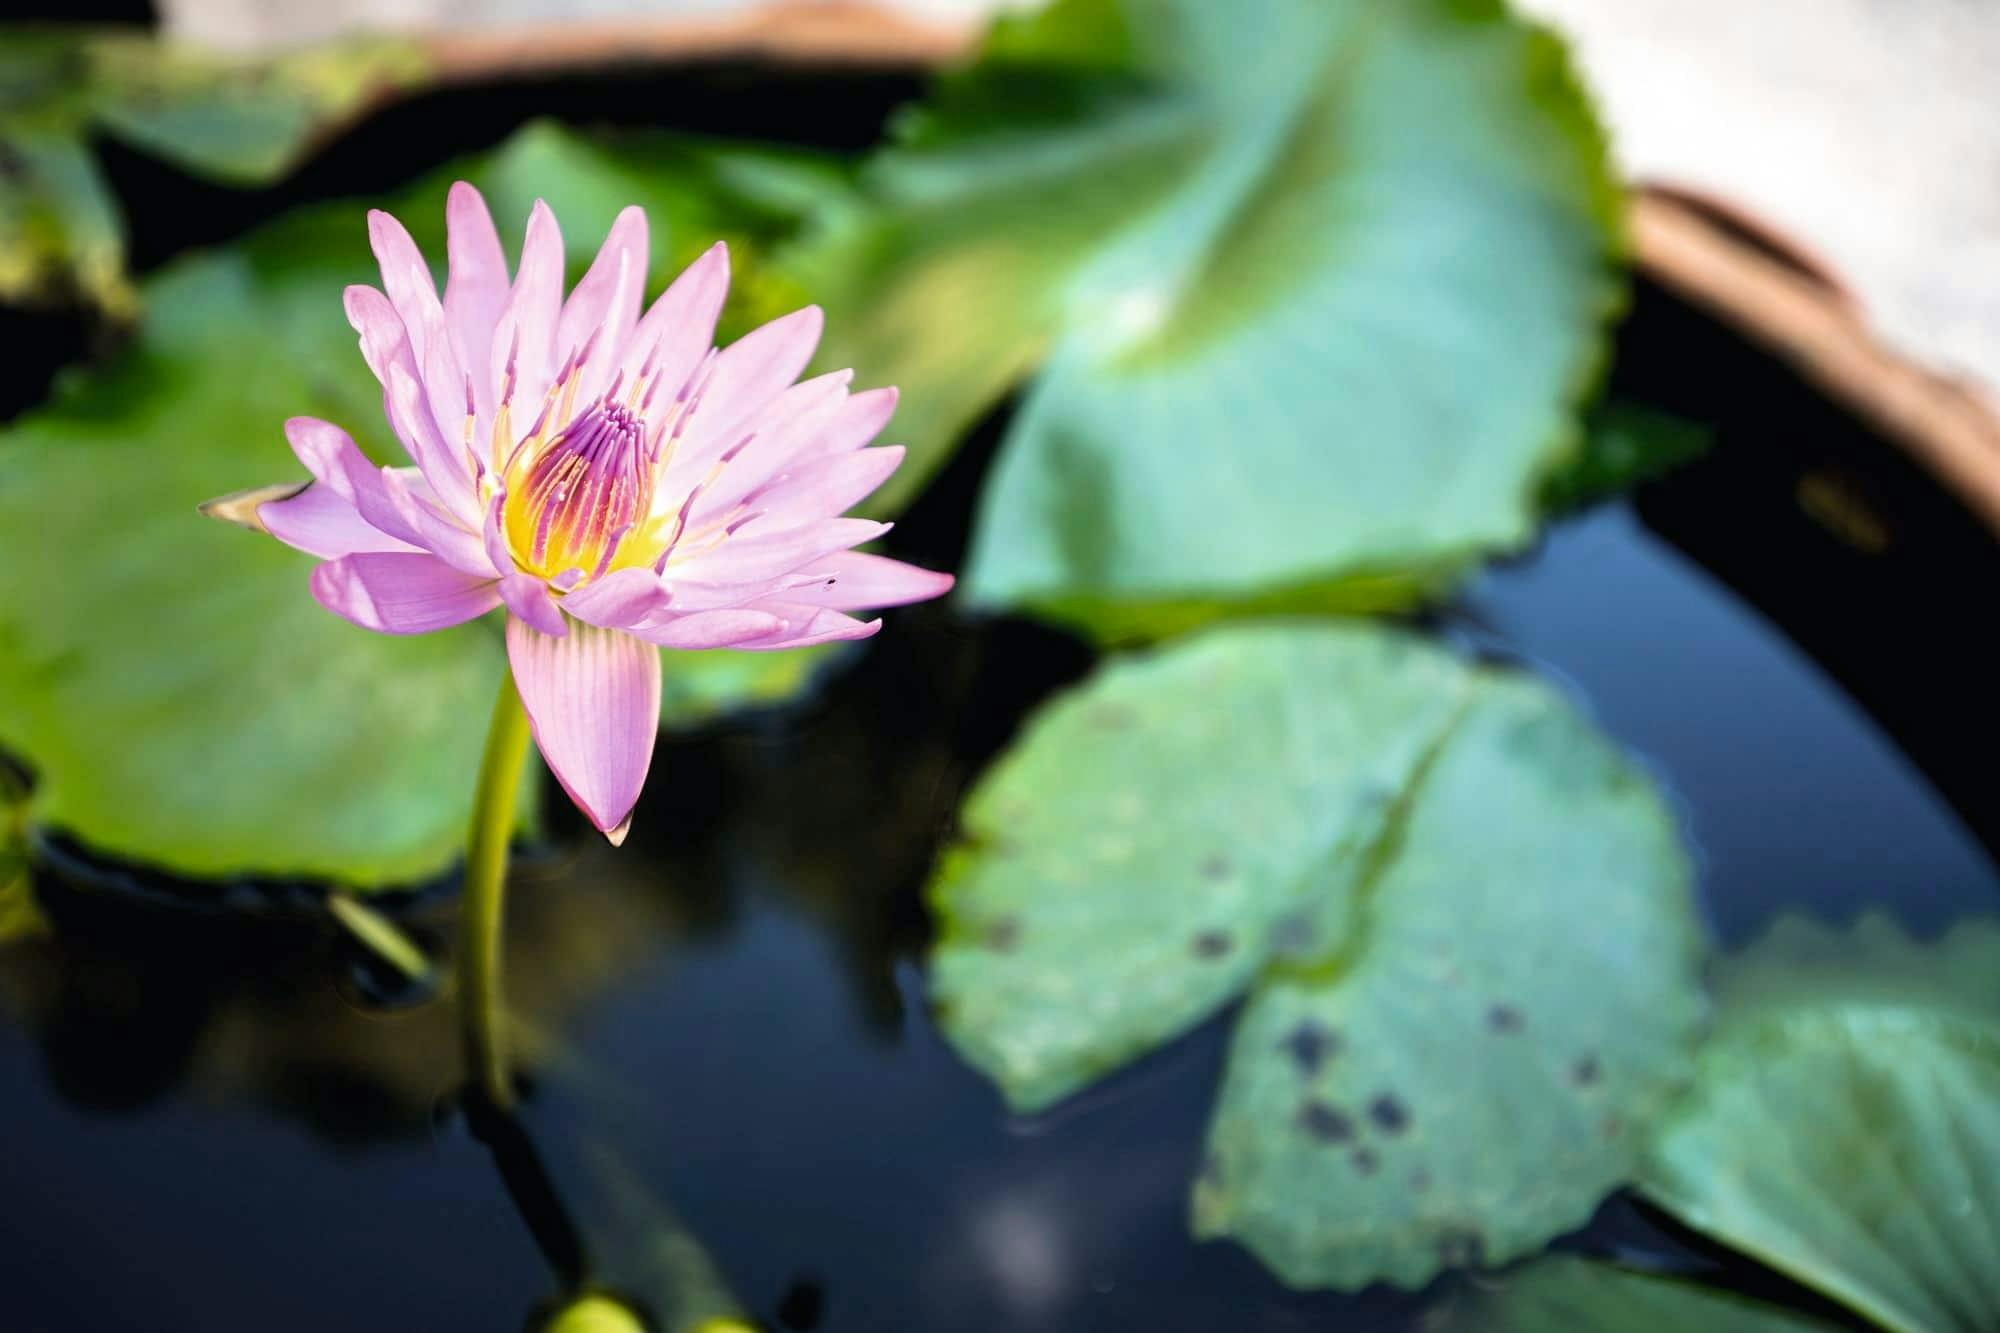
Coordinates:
x,y
240,119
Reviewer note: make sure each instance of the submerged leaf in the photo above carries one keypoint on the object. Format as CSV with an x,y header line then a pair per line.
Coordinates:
x,y
182,697
595,1314
241,119
640,1245
1565,1294
1845,1122
1463,922
1310,291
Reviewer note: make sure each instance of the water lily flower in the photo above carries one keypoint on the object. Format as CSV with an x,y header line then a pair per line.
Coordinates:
x,y
613,480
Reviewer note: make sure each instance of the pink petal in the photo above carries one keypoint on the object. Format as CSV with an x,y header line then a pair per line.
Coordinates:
x,y
593,700
413,293
399,592
856,581
806,626
334,459
395,501
525,337
860,419
709,629
619,600
825,487
604,308
528,598
384,342
526,595
750,372
406,278
680,328
443,463
475,287
747,558
761,447
494,534
319,522
443,379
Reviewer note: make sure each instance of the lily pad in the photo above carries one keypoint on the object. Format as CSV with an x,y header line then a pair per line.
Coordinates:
x,y
1463,923
1565,1294
240,119
1844,1126
181,698
1310,292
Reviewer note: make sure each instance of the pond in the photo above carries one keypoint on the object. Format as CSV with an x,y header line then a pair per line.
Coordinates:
x,y
763,1068
218,1126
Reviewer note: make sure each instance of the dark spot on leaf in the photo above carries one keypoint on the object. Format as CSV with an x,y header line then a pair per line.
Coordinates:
x,y
1365,1161
1004,934
1215,867
1292,935
1504,1018
1613,1127
1389,1114
1420,1181
1460,1248
1310,1045
1585,1072
1328,1124
1212,944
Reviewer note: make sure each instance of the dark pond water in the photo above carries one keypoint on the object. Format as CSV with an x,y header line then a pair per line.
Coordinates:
x,y
210,1126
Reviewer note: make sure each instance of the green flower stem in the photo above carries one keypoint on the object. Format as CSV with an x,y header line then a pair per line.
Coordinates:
x,y
481,1008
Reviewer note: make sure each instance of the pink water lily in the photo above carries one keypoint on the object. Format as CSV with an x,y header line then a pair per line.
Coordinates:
x,y
615,481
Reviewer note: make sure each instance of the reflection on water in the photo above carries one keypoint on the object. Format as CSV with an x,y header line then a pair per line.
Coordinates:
x,y
213,1130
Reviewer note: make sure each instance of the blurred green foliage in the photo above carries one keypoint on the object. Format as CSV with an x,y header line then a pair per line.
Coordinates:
x,y
238,119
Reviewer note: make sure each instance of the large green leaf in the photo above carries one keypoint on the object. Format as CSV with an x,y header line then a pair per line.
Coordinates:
x,y
1565,1294
1310,290
179,694
1463,922
1845,1122
240,119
